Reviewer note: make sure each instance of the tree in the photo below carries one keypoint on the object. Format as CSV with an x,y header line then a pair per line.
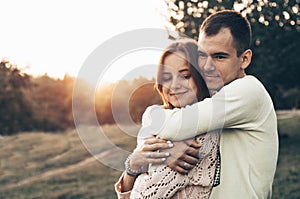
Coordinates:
x,y
275,26
125,101
52,103
16,110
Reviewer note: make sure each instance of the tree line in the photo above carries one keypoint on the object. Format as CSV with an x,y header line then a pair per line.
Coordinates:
x,y
45,104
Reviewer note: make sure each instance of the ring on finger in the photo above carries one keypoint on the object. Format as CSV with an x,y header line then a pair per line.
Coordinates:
x,y
149,155
185,164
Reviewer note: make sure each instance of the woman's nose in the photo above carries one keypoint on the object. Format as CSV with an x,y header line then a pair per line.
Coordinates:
x,y
176,83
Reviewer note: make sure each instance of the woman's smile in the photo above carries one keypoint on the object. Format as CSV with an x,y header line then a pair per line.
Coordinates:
x,y
179,93
179,88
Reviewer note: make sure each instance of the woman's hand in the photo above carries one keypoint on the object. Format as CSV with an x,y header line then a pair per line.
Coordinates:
x,y
149,153
142,156
183,156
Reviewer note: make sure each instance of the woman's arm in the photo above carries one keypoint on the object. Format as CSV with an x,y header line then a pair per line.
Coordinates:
x,y
142,156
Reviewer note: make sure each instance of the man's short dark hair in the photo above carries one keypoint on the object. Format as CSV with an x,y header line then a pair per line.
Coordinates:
x,y
239,26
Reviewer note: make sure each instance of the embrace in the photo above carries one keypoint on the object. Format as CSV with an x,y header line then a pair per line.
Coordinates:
x,y
215,136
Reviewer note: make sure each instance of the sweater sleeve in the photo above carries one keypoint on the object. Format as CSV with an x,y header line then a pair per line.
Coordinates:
x,y
149,124
118,188
236,105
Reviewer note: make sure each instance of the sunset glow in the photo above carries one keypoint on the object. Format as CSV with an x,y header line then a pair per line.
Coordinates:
x,y
55,37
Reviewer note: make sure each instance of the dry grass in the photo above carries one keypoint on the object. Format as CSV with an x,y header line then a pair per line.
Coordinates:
x,y
44,165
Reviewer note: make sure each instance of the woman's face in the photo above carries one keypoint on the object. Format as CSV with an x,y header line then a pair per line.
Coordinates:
x,y
178,86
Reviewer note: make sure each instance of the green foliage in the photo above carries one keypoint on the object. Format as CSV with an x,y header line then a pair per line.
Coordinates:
x,y
125,100
16,111
52,103
276,29
44,103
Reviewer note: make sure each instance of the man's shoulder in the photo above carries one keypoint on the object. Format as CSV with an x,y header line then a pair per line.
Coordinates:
x,y
150,109
246,90
246,80
248,85
153,107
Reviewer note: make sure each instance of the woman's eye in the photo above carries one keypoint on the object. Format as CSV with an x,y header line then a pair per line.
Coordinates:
x,y
166,79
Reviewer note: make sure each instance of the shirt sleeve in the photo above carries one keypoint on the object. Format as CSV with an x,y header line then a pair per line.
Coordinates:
x,y
236,105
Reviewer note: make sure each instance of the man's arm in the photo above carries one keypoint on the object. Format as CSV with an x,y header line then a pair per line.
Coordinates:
x,y
236,105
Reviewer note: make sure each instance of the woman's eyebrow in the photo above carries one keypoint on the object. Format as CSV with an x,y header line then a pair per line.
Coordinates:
x,y
184,70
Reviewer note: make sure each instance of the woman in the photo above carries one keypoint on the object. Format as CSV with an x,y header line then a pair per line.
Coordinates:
x,y
179,84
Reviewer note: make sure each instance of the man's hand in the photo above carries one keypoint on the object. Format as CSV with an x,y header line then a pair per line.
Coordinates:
x,y
183,156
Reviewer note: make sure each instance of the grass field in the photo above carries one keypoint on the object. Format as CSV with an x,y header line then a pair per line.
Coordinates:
x,y
45,165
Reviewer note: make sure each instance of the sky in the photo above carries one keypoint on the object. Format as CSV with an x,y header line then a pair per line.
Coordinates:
x,y
57,36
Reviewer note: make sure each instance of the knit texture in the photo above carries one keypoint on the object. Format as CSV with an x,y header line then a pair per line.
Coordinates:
x,y
163,182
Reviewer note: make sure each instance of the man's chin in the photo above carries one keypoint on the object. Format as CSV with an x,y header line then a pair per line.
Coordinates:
x,y
214,88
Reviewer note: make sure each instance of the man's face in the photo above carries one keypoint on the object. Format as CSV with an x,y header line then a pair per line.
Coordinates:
x,y
218,59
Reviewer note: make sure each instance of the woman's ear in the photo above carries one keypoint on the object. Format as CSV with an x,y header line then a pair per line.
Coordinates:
x,y
246,58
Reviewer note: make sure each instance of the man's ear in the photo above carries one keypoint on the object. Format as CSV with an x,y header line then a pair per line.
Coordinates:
x,y
246,58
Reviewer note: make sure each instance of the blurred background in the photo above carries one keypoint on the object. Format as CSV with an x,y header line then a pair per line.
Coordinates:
x,y
43,46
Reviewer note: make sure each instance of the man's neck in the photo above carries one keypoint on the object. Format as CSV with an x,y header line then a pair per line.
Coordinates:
x,y
212,92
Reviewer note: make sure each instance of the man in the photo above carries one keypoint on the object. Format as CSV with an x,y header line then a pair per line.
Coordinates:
x,y
240,107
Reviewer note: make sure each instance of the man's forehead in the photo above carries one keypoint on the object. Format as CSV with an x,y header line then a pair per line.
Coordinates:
x,y
222,39
225,32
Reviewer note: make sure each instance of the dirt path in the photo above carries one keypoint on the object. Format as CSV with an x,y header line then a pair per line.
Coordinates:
x,y
59,171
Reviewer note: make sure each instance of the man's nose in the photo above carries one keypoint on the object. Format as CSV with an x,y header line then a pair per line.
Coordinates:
x,y
208,65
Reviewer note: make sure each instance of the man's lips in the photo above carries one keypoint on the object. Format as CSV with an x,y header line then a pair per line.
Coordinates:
x,y
211,77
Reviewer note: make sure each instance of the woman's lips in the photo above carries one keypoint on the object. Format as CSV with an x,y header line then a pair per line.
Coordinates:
x,y
178,93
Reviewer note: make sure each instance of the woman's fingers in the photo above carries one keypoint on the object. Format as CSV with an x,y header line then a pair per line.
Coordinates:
x,y
156,146
156,160
149,152
155,155
141,161
152,140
